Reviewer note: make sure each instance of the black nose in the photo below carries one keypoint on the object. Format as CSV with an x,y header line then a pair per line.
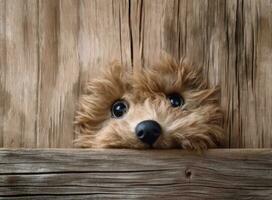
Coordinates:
x,y
148,131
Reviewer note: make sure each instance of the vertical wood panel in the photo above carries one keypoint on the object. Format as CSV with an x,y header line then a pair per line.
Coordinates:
x,y
67,82
2,66
19,90
48,51
103,35
59,71
263,71
154,29
254,71
229,96
246,79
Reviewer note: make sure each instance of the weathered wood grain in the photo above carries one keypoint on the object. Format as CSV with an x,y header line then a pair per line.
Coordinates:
x,y
51,47
20,64
154,29
2,65
59,72
48,73
104,35
127,174
246,82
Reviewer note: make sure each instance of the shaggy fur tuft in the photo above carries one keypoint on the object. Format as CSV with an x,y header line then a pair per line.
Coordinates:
x,y
195,126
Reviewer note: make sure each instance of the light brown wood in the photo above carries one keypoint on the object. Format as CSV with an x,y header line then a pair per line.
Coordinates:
x,y
59,72
20,65
103,35
2,66
49,48
127,174
155,29
47,129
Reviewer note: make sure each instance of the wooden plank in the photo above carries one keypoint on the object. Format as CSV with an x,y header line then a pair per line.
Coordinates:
x,y
255,74
2,66
246,79
155,28
67,83
48,65
20,64
104,36
130,174
59,71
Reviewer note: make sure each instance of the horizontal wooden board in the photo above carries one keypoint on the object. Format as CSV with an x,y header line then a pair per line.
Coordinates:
x,y
131,174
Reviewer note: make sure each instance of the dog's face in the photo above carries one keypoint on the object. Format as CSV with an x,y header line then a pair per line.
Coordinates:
x,y
165,106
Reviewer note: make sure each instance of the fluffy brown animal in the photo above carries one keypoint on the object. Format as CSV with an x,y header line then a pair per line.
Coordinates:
x,y
168,105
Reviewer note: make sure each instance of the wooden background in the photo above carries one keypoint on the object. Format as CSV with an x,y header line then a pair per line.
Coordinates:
x,y
49,48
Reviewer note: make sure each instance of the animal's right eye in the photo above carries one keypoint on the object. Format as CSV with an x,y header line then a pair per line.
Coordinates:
x,y
119,108
176,100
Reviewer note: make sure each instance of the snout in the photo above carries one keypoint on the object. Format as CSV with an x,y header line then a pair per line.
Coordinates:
x,y
148,131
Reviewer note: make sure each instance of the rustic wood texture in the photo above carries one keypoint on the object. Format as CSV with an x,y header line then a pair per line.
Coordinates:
x,y
19,76
127,174
49,48
58,72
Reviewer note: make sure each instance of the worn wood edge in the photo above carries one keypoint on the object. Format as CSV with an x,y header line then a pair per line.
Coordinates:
x,y
116,150
149,152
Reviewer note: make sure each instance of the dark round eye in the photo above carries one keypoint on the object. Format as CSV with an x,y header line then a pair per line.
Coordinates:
x,y
176,100
119,108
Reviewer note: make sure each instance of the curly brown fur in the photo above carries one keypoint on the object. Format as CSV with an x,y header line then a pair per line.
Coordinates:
x,y
196,125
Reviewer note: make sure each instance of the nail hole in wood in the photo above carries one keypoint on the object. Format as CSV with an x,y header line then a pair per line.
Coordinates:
x,y
188,173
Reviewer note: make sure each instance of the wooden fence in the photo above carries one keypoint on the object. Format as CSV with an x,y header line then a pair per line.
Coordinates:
x,y
50,48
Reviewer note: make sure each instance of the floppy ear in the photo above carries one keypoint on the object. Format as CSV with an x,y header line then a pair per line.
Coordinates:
x,y
168,76
99,94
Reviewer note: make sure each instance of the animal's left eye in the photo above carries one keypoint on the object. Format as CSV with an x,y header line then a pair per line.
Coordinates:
x,y
176,100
